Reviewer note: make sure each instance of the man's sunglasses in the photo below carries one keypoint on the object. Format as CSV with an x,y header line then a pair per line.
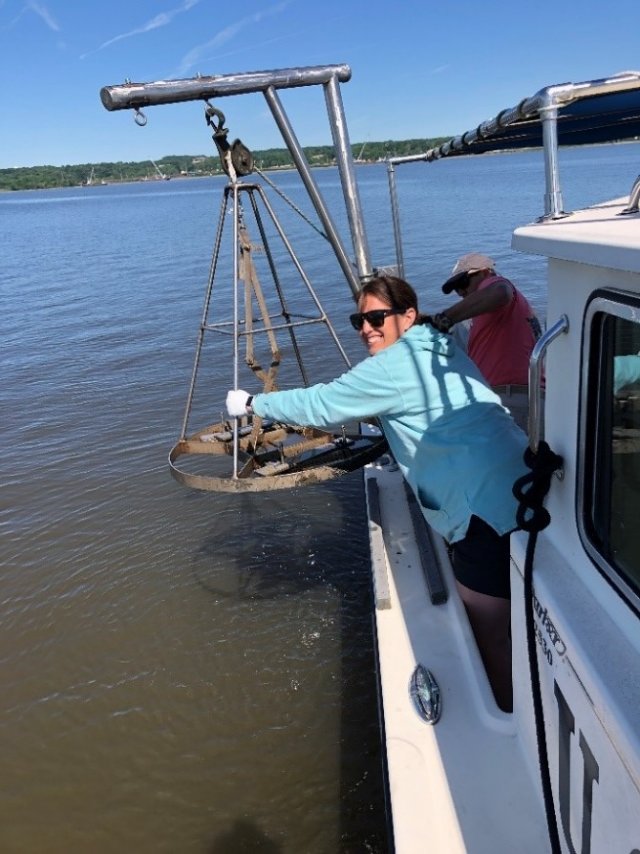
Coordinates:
x,y
374,318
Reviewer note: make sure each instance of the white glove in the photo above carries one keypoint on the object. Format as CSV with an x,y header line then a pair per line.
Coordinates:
x,y
237,401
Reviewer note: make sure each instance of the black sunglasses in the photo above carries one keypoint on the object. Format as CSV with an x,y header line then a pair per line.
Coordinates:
x,y
374,318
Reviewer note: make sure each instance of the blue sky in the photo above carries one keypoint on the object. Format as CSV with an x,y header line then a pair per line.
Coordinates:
x,y
418,69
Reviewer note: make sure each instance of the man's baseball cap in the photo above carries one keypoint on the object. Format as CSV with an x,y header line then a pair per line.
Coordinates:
x,y
464,266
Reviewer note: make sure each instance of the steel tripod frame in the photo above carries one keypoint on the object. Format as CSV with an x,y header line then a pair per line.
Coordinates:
x,y
244,327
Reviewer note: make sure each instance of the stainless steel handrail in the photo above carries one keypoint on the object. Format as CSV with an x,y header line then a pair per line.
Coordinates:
x,y
558,96
535,376
544,105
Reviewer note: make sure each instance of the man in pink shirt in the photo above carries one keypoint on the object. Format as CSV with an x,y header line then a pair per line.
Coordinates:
x,y
503,330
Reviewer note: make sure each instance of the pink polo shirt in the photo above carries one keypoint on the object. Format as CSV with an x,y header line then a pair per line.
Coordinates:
x,y
500,342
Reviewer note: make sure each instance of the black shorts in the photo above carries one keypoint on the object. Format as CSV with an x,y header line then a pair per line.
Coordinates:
x,y
481,561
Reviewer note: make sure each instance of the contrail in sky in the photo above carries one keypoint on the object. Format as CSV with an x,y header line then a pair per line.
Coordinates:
x,y
221,38
160,20
44,13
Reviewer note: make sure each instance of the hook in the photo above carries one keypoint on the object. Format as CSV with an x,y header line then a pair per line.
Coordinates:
x,y
139,118
209,113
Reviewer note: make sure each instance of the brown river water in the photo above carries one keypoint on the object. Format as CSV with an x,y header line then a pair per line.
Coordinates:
x,y
190,672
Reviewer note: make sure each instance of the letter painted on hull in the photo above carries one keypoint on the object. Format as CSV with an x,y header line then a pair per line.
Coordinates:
x,y
596,799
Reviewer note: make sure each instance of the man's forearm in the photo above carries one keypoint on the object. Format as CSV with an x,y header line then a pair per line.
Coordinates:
x,y
481,302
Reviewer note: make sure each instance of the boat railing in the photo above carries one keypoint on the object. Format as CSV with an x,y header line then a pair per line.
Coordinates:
x,y
532,117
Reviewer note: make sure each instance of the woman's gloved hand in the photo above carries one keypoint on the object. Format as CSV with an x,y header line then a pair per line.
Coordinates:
x,y
238,402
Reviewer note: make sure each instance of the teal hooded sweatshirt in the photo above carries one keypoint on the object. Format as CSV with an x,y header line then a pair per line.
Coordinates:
x,y
457,446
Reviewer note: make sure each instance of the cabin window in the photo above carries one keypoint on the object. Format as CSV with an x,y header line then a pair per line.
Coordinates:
x,y
613,443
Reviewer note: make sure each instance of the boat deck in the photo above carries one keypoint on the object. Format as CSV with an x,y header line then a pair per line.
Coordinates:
x,y
462,785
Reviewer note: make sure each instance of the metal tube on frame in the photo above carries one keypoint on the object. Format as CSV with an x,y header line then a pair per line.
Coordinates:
x,y
395,215
344,157
236,322
282,121
129,95
553,205
205,313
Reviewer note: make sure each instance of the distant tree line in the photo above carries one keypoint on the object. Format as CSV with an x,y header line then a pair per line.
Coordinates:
x,y
176,165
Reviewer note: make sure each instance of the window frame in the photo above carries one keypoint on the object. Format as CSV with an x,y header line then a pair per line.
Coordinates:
x,y
592,445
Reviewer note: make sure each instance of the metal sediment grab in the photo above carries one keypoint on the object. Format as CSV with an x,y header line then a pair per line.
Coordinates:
x,y
284,457
250,454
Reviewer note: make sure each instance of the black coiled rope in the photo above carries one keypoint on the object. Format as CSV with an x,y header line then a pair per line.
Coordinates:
x,y
530,491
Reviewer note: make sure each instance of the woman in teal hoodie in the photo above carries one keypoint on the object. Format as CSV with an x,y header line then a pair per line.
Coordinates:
x,y
458,447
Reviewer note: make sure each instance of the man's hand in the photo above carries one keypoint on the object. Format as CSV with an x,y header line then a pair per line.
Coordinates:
x,y
441,322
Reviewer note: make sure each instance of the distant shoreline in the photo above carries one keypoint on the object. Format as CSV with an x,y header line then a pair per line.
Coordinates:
x,y
190,165
23,178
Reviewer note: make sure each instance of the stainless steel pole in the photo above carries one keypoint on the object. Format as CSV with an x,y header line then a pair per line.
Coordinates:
x,y
395,215
132,95
344,157
302,166
553,205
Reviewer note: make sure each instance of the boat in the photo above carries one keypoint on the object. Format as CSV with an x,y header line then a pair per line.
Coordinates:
x,y
161,175
91,180
359,158
561,773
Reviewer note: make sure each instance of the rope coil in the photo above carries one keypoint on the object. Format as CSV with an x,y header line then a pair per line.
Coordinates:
x,y
530,489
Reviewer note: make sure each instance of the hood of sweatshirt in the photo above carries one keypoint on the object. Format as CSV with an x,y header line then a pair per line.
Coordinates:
x,y
425,337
